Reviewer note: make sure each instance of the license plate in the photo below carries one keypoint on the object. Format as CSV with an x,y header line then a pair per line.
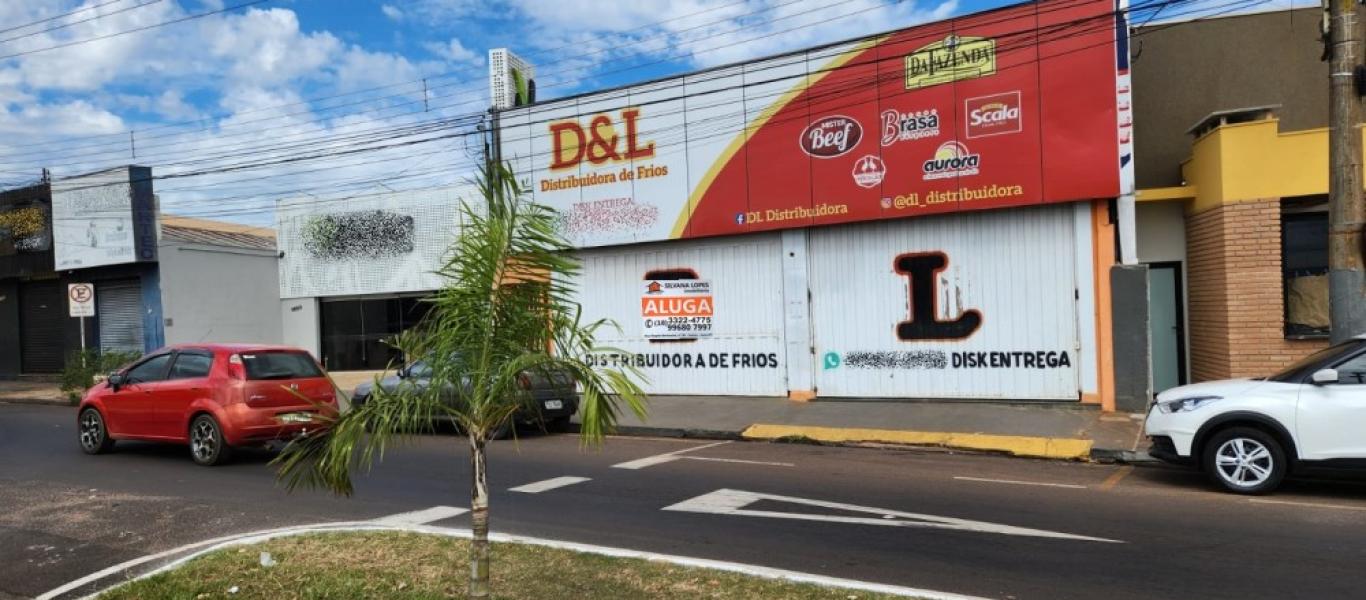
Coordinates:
x,y
554,404
295,418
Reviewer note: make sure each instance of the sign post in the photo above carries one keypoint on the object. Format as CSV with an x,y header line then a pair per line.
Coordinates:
x,y
81,297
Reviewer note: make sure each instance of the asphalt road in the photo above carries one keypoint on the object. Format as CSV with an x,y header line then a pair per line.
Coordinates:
x,y
64,514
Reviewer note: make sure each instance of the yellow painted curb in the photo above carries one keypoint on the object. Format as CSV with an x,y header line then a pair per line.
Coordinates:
x,y
1018,445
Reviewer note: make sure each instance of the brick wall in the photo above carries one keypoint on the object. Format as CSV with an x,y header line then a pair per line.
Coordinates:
x,y
1234,293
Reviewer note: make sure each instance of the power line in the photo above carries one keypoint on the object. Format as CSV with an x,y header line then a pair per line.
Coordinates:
x,y
86,20
1102,19
570,80
135,30
414,82
63,15
120,146
1228,7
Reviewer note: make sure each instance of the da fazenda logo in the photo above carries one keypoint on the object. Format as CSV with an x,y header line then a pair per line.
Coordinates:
x,y
951,159
956,57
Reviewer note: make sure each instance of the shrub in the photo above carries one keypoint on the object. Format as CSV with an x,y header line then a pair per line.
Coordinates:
x,y
82,366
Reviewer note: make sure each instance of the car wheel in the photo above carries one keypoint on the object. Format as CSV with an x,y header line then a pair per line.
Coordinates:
x,y
206,442
1245,460
93,434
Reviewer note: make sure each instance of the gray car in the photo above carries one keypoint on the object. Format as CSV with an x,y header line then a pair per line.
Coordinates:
x,y
553,397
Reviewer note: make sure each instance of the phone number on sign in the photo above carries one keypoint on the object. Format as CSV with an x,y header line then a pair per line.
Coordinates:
x,y
680,323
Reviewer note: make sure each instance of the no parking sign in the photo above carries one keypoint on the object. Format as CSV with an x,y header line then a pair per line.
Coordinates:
x,y
81,298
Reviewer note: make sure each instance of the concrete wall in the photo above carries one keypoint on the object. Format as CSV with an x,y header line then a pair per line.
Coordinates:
x,y
1184,72
299,318
1133,359
219,294
1161,232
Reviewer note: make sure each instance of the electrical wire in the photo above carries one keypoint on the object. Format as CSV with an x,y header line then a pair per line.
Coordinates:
x,y
86,20
135,30
1234,6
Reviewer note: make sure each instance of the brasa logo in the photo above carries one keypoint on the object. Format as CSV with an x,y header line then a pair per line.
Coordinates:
x,y
599,143
831,136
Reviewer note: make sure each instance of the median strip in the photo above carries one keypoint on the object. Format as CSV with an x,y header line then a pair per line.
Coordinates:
x,y
1017,445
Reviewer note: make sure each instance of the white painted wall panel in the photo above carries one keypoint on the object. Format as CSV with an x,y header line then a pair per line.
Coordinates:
x,y
219,295
1017,268
746,279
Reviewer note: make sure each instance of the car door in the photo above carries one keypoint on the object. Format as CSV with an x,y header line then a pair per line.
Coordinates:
x,y
1332,416
187,381
132,407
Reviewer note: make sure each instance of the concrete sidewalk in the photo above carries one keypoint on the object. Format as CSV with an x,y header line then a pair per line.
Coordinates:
x,y
1044,430
32,391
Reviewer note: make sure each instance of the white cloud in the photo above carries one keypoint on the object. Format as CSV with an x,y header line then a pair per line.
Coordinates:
x,y
392,12
456,52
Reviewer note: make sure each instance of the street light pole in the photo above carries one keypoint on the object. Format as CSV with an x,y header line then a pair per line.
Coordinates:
x,y
1346,214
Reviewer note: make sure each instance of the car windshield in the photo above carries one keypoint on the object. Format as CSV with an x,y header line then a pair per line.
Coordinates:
x,y
1296,370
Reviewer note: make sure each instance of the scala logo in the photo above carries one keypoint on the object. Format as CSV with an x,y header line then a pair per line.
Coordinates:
x,y
955,58
869,171
898,126
599,143
993,115
952,159
831,136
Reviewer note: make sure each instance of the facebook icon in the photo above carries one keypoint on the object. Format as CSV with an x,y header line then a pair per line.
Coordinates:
x,y
740,218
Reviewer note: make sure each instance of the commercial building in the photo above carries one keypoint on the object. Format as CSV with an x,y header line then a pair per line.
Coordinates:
x,y
352,270
935,212
1232,171
195,280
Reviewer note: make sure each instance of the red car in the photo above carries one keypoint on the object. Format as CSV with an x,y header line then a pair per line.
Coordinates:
x,y
213,397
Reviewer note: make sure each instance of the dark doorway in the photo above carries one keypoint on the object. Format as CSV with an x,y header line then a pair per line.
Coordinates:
x,y
42,327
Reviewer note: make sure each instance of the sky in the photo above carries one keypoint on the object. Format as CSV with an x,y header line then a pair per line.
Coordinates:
x,y
281,79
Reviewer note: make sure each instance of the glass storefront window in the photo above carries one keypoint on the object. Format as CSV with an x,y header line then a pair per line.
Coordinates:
x,y
354,332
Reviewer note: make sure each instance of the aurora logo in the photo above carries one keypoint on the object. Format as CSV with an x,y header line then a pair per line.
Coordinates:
x,y
952,159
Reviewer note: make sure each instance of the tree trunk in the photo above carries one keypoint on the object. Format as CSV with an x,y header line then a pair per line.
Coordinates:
x,y
479,517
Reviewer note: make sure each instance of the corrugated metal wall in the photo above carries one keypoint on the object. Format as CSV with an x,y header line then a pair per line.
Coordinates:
x,y
746,278
1015,268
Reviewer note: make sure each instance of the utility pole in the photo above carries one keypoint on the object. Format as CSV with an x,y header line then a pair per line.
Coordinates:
x,y
1346,214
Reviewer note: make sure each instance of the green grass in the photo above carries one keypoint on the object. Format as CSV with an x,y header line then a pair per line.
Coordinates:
x,y
410,565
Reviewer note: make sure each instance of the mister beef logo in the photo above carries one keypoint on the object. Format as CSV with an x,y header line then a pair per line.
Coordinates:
x,y
831,136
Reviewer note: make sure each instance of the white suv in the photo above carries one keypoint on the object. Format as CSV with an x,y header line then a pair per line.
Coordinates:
x,y
1246,434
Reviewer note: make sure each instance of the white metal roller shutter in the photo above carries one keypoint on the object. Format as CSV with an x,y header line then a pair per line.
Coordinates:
x,y
743,357
118,306
1015,268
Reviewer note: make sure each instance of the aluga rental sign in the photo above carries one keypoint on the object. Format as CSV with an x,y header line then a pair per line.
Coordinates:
x,y
1019,106
681,309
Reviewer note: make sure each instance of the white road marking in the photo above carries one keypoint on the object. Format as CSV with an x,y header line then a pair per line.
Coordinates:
x,y
422,517
702,563
733,502
741,461
549,484
1069,486
659,459
1311,504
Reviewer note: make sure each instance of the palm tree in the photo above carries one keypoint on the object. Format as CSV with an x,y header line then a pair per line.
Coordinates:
x,y
507,309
